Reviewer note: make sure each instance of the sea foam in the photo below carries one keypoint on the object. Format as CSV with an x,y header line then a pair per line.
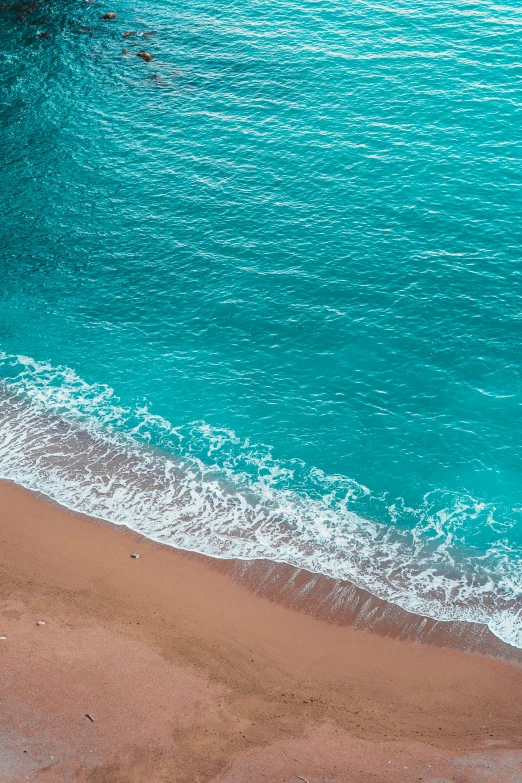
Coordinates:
x,y
78,444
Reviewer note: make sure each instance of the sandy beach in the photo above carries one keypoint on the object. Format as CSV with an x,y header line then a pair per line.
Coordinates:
x,y
163,669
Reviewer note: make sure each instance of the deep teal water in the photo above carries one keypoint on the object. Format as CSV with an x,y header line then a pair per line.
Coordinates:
x,y
287,253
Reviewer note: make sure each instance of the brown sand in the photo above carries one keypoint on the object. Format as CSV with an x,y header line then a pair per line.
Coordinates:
x,y
190,678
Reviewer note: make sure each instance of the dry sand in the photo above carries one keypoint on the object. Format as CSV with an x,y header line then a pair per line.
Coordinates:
x,y
190,678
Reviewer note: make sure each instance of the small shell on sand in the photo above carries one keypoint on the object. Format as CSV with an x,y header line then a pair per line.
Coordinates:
x,y
135,555
145,56
109,15
40,622
3,638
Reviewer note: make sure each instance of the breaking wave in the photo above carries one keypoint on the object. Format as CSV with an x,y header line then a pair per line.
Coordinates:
x,y
206,490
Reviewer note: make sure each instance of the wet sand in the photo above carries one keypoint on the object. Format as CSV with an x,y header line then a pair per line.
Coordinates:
x,y
189,677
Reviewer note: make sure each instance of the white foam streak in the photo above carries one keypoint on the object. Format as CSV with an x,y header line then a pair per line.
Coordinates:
x,y
77,444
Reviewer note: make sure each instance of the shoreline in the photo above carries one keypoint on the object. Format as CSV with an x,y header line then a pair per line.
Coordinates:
x,y
189,676
336,601
64,461
344,604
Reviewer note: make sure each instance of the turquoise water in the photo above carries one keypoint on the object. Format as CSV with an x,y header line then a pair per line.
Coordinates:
x,y
261,297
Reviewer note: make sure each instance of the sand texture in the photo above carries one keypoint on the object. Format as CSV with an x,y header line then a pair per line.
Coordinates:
x,y
188,677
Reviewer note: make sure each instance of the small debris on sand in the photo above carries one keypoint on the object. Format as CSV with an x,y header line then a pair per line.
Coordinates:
x,y
136,554
109,15
40,622
89,717
128,33
145,56
3,638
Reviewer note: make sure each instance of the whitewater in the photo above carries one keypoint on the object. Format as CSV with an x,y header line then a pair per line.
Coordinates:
x,y
79,446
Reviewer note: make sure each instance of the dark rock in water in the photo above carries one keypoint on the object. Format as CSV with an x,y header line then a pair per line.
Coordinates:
x,y
145,56
109,15
128,34
125,51
43,35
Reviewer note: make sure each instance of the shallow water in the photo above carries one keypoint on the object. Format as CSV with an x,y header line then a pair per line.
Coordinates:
x,y
275,275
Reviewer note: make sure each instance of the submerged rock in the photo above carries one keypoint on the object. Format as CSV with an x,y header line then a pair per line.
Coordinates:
x,y
125,51
109,15
128,33
145,56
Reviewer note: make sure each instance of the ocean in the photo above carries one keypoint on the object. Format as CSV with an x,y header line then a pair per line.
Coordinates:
x,y
261,296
